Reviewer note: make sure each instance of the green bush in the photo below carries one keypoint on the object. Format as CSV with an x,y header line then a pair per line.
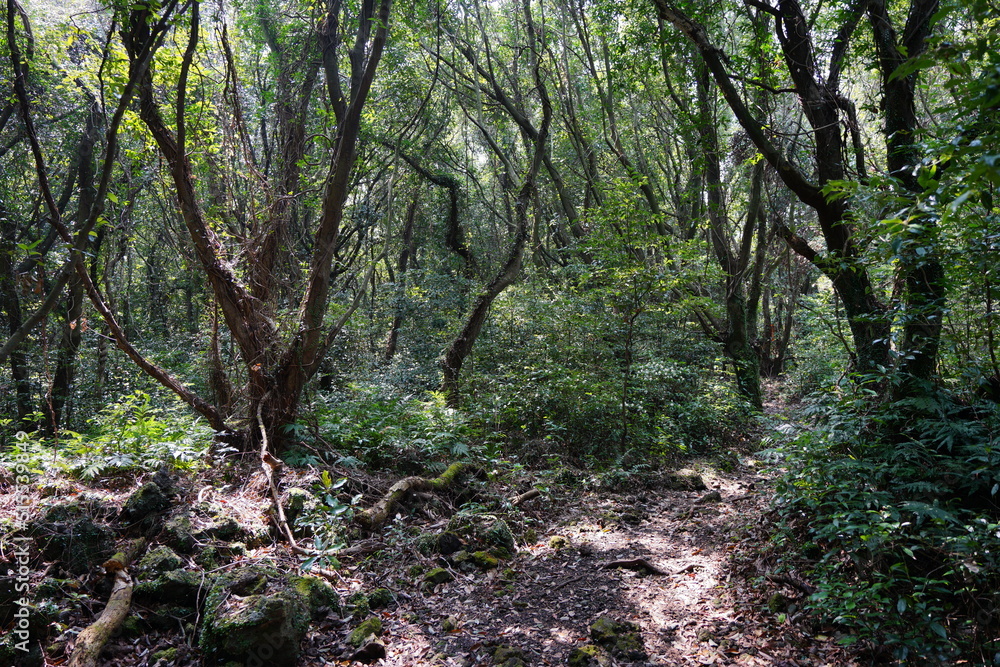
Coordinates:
x,y
894,512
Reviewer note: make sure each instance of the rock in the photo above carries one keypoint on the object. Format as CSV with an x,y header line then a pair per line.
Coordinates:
x,y
379,598
588,656
685,482
148,499
450,624
179,533
777,603
507,656
438,575
621,638
159,560
296,502
255,615
710,497
371,626
179,586
163,658
319,594
499,535
484,561
373,651
448,543
66,533
558,542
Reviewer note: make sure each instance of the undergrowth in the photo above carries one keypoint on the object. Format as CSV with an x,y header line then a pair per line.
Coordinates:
x,y
893,514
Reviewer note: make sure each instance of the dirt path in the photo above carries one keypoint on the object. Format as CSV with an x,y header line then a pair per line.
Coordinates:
x,y
697,613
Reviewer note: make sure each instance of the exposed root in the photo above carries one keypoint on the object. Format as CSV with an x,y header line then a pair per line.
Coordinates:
x,y
379,513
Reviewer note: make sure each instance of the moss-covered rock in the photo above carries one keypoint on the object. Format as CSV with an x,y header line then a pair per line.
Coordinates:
x,y
177,586
159,560
67,533
255,613
450,624
438,575
448,543
500,535
621,638
507,656
164,658
371,626
319,595
484,560
588,656
558,542
178,533
295,503
379,598
358,602
147,500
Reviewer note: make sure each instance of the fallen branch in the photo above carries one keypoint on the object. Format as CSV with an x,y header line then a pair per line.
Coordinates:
x,y
525,497
92,640
380,512
638,564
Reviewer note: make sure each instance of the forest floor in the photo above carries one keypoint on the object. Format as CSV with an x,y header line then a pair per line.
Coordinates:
x,y
687,564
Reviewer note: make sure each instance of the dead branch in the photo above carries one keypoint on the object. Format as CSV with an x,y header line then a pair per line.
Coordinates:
x,y
525,497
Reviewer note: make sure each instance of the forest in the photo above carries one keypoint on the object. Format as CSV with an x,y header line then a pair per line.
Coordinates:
x,y
499,332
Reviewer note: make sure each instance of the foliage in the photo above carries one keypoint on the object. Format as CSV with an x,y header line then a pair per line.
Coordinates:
x,y
128,436
894,512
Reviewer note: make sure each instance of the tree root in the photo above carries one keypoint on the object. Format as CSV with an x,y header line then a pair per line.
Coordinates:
x,y
379,513
91,641
638,564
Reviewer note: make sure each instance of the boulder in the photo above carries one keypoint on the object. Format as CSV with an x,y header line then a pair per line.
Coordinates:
x,y
147,500
67,533
257,615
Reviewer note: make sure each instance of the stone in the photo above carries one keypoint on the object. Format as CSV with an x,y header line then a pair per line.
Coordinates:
x,y
319,594
484,560
159,560
67,533
379,598
372,651
508,656
448,543
255,615
588,655
500,535
710,497
371,626
438,575
147,500
296,502
558,542
450,624
178,586
179,533
621,638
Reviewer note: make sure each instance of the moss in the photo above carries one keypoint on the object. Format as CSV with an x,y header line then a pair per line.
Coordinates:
x,y
484,560
159,560
149,498
777,603
181,586
167,656
507,656
379,598
447,478
359,602
368,627
558,542
499,535
320,596
417,570
586,656
449,624
620,637
178,533
438,575
266,614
